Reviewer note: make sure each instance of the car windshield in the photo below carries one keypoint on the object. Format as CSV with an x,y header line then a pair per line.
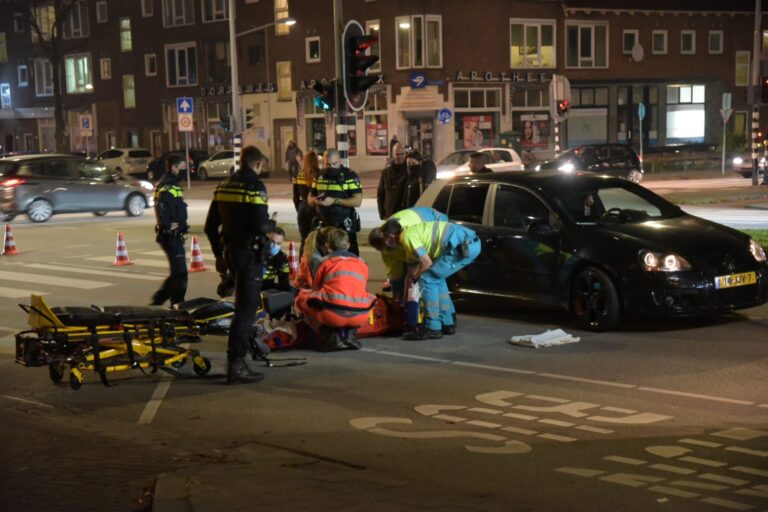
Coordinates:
x,y
91,170
141,153
615,203
457,158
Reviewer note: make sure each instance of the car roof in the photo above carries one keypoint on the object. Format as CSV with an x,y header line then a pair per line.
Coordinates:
x,y
37,156
125,149
549,180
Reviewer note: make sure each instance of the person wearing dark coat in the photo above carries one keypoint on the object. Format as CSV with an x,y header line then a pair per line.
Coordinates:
x,y
420,174
391,192
477,163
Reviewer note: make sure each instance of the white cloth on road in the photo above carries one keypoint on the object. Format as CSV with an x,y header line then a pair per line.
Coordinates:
x,y
544,339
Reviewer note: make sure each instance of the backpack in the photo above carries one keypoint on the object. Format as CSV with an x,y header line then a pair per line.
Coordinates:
x,y
387,317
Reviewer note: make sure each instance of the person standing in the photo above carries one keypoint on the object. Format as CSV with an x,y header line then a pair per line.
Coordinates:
x,y
390,195
392,143
305,214
439,250
237,225
291,164
171,214
336,192
420,174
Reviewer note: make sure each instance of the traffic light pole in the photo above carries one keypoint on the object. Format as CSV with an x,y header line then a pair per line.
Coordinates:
x,y
756,97
342,142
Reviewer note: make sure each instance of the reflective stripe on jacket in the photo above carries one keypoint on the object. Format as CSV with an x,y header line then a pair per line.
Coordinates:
x,y
423,238
340,283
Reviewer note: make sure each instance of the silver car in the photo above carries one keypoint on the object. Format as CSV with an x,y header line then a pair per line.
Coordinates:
x,y
496,159
126,161
41,185
219,165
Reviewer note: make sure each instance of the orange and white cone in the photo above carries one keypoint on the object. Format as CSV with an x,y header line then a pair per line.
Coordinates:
x,y
121,253
196,264
293,261
9,245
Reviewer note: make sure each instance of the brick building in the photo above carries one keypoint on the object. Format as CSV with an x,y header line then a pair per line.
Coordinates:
x,y
485,64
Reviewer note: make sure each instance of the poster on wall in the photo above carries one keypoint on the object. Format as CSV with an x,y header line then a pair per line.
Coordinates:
x,y
376,138
535,131
478,131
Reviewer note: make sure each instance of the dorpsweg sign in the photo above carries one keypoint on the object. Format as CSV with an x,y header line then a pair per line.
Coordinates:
x,y
226,90
503,76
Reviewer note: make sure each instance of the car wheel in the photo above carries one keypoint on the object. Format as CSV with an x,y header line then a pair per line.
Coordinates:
x,y
99,214
594,300
203,174
40,210
635,176
135,205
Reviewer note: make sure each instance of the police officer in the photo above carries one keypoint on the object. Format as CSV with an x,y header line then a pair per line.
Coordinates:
x,y
236,226
336,192
171,214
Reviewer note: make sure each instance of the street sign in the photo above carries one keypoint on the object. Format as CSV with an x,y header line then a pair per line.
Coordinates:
x,y
418,80
641,110
184,105
726,100
86,126
726,114
445,116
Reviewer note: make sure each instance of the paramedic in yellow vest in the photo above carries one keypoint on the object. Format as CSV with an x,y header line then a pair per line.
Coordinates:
x,y
439,250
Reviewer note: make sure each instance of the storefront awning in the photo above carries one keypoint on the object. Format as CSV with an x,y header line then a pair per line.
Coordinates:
x,y
427,98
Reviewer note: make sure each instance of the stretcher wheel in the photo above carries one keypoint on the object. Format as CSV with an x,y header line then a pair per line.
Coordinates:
x,y
180,363
56,372
74,382
201,366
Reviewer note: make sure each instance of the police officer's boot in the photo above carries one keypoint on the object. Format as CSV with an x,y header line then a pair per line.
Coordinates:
x,y
239,373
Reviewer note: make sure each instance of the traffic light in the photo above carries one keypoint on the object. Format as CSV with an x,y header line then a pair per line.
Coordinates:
x,y
326,98
562,108
764,90
225,123
356,64
249,115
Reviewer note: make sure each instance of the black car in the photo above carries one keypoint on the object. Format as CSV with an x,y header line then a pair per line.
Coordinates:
x,y
157,167
618,160
602,247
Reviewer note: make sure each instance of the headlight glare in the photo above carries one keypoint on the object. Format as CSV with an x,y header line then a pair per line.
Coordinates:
x,y
566,167
537,168
757,251
660,262
738,160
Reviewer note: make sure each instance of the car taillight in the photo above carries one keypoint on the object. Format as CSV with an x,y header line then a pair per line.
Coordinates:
x,y
11,183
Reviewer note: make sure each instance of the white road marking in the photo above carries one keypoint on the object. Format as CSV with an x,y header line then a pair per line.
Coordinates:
x,y
697,442
740,434
723,479
672,492
625,460
749,471
94,272
516,430
587,473
672,469
14,293
26,401
80,284
484,424
555,437
761,491
587,381
153,253
142,262
557,423
700,485
483,410
748,451
704,462
548,399
520,416
150,410
734,505
596,430
631,479
696,395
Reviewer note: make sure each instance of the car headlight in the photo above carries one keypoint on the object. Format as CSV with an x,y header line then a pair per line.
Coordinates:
x,y
444,175
566,167
757,252
146,185
738,160
537,168
660,262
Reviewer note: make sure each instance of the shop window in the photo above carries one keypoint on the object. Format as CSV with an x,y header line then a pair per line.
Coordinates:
x,y
532,43
715,42
419,41
129,92
181,64
23,75
77,69
742,68
659,42
177,13
284,84
586,45
43,78
685,113
312,49
373,27
281,12
215,10
105,68
126,40
76,24
376,134
687,42
629,39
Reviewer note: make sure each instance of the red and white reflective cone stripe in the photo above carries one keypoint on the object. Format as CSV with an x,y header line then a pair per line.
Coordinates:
x,y
9,245
121,253
196,263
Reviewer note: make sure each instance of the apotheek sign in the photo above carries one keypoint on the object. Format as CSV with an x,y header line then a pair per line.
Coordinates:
x,y
226,90
512,76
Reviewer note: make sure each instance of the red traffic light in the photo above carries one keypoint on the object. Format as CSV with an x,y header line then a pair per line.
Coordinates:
x,y
360,44
562,107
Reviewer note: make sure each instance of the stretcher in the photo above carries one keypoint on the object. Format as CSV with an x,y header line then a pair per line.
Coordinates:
x,y
105,340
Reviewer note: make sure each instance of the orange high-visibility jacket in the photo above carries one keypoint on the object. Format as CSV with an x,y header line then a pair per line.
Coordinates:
x,y
339,297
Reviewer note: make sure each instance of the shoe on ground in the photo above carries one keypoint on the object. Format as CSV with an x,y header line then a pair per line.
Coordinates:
x,y
239,373
330,340
449,330
350,340
422,333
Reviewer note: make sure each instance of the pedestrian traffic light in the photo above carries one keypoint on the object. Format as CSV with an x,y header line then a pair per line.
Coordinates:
x,y
356,63
326,98
764,89
562,108
249,115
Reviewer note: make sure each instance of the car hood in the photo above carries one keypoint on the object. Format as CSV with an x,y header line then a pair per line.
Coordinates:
x,y
447,167
685,235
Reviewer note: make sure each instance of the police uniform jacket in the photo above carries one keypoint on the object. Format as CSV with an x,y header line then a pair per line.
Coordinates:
x,y
238,215
169,205
339,183
276,273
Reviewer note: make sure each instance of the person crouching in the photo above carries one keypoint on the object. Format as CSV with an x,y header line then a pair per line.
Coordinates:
x,y
339,301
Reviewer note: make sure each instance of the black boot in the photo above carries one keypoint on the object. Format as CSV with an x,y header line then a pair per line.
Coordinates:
x,y
350,340
239,373
330,340
423,333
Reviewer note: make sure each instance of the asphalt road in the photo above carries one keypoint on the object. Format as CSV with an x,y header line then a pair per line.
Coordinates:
x,y
658,416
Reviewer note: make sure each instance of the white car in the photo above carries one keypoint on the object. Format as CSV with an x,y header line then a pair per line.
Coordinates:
x,y
126,161
496,159
219,165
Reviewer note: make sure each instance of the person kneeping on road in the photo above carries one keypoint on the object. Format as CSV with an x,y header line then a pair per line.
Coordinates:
x,y
237,225
171,214
441,249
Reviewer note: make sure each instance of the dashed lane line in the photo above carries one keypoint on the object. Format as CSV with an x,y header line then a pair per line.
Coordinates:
x,y
27,401
684,394
94,272
80,284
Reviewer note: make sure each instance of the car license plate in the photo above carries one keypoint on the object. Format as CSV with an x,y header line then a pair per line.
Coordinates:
x,y
735,280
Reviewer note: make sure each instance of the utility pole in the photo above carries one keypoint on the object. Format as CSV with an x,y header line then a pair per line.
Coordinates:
x,y
756,96
342,142
234,120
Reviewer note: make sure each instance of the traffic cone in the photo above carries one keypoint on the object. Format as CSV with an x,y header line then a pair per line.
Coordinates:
x,y
196,263
293,261
121,253
9,245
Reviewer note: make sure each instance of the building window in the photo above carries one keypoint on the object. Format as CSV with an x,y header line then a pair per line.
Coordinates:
x,y
312,49
586,45
688,42
532,43
126,41
715,42
477,117
77,69
150,64
23,75
18,24
45,19
254,55
281,12
417,45
373,28
129,92
316,127
215,10
742,68
76,24
147,8
284,85
105,66
659,42
43,78
181,64
376,129
685,113
101,12
629,40
218,62
5,96
3,48
178,12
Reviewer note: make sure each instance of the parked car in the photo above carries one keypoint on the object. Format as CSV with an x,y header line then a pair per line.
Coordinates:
x,y
497,160
126,161
219,165
742,165
604,248
157,167
43,185
618,160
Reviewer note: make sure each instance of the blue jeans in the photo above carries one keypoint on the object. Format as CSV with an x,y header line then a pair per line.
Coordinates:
x,y
439,309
